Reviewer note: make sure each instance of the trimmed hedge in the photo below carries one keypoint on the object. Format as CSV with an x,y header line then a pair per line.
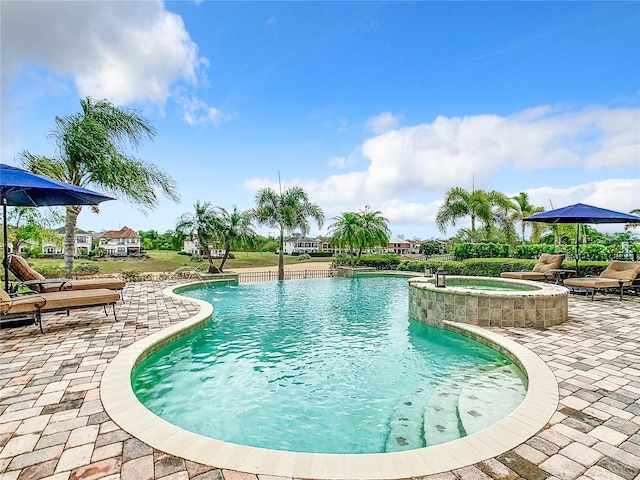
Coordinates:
x,y
493,267
388,261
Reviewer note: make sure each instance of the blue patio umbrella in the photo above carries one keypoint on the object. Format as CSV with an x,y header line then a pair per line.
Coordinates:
x,y
580,214
21,188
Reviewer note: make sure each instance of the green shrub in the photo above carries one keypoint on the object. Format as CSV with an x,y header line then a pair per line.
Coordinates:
x,y
304,256
29,252
99,252
195,258
53,271
462,251
595,251
182,252
430,247
131,276
411,265
449,268
387,261
532,250
86,269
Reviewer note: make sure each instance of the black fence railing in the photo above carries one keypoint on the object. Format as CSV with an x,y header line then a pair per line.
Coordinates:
x,y
288,275
628,256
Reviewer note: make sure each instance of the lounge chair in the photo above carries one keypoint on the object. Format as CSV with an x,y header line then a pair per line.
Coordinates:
x,y
617,275
32,306
35,281
541,271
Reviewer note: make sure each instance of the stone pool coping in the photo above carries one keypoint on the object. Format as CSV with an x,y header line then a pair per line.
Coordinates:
x,y
527,419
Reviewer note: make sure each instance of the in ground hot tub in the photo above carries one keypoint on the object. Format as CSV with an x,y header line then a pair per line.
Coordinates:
x,y
487,301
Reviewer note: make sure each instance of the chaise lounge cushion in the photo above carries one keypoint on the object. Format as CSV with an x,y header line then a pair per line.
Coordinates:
x,y
541,270
54,301
23,272
85,284
616,274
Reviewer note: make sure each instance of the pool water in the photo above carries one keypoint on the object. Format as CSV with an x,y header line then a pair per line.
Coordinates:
x,y
491,284
326,366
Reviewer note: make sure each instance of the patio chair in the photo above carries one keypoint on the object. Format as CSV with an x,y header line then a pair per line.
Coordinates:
x,y
543,269
617,275
27,276
32,306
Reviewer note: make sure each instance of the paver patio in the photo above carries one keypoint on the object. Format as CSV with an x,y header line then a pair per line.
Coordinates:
x,y
53,426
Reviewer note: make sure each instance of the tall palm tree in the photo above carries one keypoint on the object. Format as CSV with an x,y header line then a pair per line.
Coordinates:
x,y
92,153
524,209
287,211
203,223
374,229
345,231
232,227
477,204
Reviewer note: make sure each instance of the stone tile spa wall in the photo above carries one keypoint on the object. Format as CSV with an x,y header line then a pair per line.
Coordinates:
x,y
544,306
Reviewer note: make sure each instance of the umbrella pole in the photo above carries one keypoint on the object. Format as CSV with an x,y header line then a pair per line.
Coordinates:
x,y
577,247
6,244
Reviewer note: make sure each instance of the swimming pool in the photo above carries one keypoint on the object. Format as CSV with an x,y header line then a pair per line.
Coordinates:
x,y
325,366
126,411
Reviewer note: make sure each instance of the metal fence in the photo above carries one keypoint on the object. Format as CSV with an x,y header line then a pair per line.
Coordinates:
x,y
628,256
245,277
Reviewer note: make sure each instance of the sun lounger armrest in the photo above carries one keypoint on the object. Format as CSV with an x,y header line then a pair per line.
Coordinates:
x,y
62,281
31,294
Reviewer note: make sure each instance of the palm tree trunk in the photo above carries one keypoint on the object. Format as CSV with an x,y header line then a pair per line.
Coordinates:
x,y
473,229
224,257
523,233
69,235
281,257
212,268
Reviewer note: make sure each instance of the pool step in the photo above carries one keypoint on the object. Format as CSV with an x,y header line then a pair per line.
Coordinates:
x,y
502,386
406,423
441,420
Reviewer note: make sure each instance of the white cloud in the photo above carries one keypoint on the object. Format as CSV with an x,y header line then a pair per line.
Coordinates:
x,y
338,162
198,112
619,194
383,122
424,161
124,51
448,151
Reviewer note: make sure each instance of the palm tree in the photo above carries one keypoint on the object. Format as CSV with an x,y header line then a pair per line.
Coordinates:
x,y
92,148
525,209
232,227
478,204
287,211
635,211
201,222
374,229
345,231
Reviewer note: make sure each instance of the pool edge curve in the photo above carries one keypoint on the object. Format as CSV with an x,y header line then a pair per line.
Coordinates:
x,y
121,404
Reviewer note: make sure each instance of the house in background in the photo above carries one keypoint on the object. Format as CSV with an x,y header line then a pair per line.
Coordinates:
x,y
298,244
82,243
414,246
192,246
398,246
121,242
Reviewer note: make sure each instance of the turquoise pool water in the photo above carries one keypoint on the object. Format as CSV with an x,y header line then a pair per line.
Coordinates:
x,y
327,366
491,284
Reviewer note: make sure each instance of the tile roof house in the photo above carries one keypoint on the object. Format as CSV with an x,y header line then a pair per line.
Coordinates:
x,y
121,242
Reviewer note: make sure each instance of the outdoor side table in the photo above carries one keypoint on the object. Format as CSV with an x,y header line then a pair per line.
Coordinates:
x,y
561,273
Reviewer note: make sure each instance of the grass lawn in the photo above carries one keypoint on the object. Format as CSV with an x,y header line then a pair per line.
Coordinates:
x,y
164,261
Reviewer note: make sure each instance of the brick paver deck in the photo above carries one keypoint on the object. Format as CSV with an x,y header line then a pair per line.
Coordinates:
x,y
53,426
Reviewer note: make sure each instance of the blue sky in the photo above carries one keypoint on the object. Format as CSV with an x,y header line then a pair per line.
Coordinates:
x,y
387,104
